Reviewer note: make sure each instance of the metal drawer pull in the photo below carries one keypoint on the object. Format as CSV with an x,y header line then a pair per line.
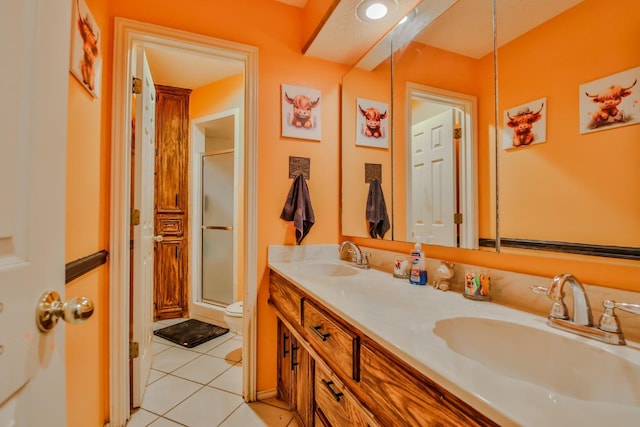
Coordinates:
x,y
285,338
316,329
337,395
217,227
294,349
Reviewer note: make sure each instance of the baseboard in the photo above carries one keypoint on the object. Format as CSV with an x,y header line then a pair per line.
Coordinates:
x,y
266,394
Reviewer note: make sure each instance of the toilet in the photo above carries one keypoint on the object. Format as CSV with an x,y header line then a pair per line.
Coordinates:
x,y
233,317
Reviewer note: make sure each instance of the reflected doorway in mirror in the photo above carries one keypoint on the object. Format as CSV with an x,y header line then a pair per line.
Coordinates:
x,y
372,119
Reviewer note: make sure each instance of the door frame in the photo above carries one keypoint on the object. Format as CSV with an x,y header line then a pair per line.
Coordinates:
x,y
129,34
468,161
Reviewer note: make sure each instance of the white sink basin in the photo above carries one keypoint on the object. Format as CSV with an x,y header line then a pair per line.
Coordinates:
x,y
546,358
326,269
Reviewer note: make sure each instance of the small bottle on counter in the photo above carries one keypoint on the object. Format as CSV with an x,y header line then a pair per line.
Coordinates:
x,y
418,275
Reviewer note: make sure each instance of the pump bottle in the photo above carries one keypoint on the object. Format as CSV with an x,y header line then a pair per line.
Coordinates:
x,y
418,274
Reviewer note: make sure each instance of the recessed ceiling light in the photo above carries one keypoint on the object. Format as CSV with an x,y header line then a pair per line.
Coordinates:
x,y
374,10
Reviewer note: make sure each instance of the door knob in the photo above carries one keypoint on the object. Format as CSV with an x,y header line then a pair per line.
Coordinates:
x,y
50,309
158,238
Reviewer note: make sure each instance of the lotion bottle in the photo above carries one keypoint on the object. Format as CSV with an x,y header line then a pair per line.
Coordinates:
x,y
418,274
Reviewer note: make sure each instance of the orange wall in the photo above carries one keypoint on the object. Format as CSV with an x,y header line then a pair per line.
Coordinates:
x,y
87,232
573,187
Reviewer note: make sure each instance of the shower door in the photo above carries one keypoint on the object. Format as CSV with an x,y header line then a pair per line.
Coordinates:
x,y
218,248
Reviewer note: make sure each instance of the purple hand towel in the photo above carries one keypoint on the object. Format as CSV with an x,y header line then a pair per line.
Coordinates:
x,y
377,210
298,208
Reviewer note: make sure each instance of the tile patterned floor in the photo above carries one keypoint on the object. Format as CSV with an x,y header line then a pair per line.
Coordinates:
x,y
202,387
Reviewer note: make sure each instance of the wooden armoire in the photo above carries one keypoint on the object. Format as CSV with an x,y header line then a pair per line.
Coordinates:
x,y
171,292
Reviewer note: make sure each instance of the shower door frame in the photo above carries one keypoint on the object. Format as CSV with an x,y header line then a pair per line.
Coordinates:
x,y
200,307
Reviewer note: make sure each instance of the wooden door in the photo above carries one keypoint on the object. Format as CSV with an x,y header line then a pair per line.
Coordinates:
x,y
143,248
285,368
433,181
34,69
171,293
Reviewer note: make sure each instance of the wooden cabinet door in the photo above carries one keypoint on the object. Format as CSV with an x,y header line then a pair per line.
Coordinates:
x,y
171,293
304,385
285,368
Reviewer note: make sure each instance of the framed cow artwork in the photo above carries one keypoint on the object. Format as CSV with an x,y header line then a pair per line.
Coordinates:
x,y
301,116
610,102
525,124
372,123
85,58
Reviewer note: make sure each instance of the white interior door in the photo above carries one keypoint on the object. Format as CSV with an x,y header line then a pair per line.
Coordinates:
x,y
143,255
433,181
33,119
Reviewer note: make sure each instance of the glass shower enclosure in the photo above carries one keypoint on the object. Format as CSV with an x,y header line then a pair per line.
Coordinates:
x,y
218,248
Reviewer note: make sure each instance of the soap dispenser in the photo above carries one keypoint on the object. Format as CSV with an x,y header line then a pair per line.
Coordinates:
x,y
418,274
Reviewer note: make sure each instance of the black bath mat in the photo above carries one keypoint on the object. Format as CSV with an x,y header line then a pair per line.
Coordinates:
x,y
190,333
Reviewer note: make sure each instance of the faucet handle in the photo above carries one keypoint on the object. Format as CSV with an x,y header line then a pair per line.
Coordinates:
x,y
540,290
625,306
365,259
559,309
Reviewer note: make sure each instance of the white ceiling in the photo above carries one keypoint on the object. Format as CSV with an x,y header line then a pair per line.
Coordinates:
x,y
187,70
465,28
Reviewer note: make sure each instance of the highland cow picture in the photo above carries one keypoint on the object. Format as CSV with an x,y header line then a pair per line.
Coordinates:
x,y
301,113
372,123
86,54
525,124
610,102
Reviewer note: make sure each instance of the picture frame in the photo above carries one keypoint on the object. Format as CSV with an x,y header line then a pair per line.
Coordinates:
x,y
610,102
301,112
525,124
86,54
372,123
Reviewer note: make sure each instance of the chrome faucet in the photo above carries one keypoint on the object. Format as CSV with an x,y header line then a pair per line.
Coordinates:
x,y
358,257
608,329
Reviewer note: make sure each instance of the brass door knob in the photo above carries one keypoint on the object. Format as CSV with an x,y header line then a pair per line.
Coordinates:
x,y
51,308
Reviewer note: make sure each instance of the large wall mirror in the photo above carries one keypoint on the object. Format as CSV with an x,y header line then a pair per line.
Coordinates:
x,y
567,161
436,73
569,142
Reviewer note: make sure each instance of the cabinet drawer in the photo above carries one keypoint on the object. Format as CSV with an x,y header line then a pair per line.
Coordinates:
x,y
337,345
404,397
285,298
336,403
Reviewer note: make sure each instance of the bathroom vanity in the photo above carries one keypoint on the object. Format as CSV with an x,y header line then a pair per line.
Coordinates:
x,y
359,347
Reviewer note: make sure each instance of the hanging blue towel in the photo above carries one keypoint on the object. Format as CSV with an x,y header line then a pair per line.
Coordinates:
x,y
298,208
377,210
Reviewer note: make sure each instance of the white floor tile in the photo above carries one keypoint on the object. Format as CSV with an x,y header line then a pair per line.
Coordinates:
x,y
172,358
203,369
141,418
166,393
230,380
211,344
208,407
159,347
258,414
163,422
230,350
154,376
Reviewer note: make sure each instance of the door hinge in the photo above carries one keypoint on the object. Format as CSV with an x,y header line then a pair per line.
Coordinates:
x,y
135,217
457,218
136,86
457,133
134,350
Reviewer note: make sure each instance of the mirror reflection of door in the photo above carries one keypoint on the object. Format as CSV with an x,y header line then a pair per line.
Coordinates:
x,y
433,181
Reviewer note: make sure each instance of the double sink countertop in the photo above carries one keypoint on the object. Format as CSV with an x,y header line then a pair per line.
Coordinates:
x,y
508,364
